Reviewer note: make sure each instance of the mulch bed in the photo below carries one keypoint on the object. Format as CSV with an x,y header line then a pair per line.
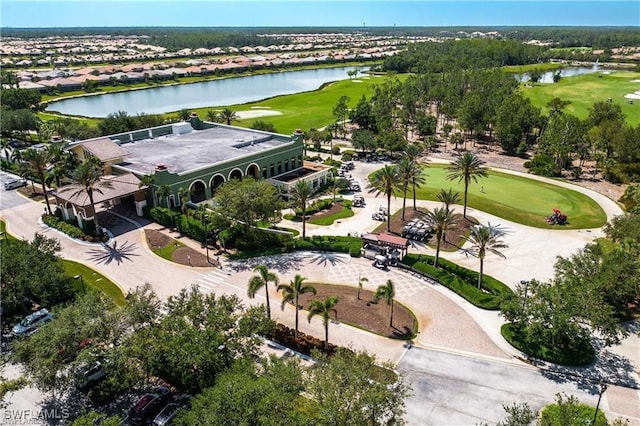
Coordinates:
x,y
183,255
363,313
335,208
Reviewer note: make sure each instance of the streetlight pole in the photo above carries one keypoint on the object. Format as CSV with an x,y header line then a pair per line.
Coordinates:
x,y
79,277
603,388
525,283
205,222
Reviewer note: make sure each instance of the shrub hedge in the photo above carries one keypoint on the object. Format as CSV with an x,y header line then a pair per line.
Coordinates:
x,y
351,245
69,229
461,281
305,343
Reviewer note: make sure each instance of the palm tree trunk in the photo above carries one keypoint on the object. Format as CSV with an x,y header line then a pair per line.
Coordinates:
x,y
391,320
44,193
389,213
326,335
466,189
414,197
304,221
435,260
404,201
266,290
480,274
295,335
95,213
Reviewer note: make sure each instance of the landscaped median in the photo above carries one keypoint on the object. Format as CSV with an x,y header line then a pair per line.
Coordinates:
x,y
460,280
324,212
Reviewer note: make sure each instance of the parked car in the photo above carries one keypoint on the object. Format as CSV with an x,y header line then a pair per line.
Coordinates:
x,y
31,322
167,414
148,406
15,183
15,144
88,376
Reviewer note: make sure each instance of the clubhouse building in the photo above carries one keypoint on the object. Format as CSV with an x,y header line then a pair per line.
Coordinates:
x,y
196,155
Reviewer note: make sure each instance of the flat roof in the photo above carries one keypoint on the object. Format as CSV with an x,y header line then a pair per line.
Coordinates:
x,y
198,149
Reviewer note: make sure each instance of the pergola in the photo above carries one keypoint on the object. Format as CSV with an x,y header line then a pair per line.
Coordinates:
x,y
383,241
75,203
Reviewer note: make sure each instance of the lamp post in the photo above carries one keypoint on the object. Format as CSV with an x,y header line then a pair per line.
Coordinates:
x,y
603,388
525,283
79,277
205,221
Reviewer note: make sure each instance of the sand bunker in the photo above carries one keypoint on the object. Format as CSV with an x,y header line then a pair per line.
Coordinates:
x,y
257,113
635,81
632,96
356,81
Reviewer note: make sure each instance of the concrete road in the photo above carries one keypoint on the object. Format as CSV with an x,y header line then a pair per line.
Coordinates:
x,y
452,389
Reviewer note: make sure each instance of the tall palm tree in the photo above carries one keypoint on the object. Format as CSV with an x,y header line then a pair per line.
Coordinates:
x,y
291,293
405,171
442,220
324,309
185,196
416,178
466,168
17,156
486,238
212,115
262,280
300,194
164,192
148,180
388,293
37,161
448,197
361,281
385,181
87,180
4,143
228,115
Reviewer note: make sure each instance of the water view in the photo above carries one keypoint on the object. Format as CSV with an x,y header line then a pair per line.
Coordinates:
x,y
547,77
229,91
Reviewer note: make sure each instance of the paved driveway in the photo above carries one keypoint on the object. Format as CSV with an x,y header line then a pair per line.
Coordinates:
x,y
451,389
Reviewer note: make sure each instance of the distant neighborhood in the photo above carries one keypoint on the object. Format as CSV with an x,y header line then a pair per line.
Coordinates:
x,y
66,63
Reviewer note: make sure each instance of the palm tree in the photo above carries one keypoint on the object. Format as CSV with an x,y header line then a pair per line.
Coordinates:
x,y
361,281
16,156
37,161
87,180
185,196
412,153
486,238
4,143
448,197
466,168
386,292
291,293
300,194
184,115
441,221
405,171
385,181
262,280
228,115
164,192
324,309
148,180
212,115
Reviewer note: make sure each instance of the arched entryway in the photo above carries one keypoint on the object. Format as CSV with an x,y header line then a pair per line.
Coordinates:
x,y
253,170
215,183
197,191
235,174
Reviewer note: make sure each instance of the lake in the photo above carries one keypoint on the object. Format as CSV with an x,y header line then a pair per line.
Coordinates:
x,y
227,91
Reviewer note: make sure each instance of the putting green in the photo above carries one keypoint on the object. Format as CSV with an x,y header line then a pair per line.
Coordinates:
x,y
515,198
583,90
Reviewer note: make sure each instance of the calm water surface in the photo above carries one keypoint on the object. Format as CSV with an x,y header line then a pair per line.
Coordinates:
x,y
229,91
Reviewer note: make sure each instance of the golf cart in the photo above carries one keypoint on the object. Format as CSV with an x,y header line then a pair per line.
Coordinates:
x,y
381,262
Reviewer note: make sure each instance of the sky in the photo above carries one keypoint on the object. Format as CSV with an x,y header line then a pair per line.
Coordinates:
x,y
317,13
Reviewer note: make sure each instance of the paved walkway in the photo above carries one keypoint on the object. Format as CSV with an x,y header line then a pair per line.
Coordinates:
x,y
446,321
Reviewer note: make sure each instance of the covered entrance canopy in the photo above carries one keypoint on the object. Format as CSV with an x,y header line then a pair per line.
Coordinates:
x,y
387,244
73,199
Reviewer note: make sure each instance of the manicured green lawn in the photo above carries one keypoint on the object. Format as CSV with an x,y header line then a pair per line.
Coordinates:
x,y
583,90
308,109
517,199
94,281
166,252
328,220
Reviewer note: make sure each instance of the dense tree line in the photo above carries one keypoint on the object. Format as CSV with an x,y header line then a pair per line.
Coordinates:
x,y
462,54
